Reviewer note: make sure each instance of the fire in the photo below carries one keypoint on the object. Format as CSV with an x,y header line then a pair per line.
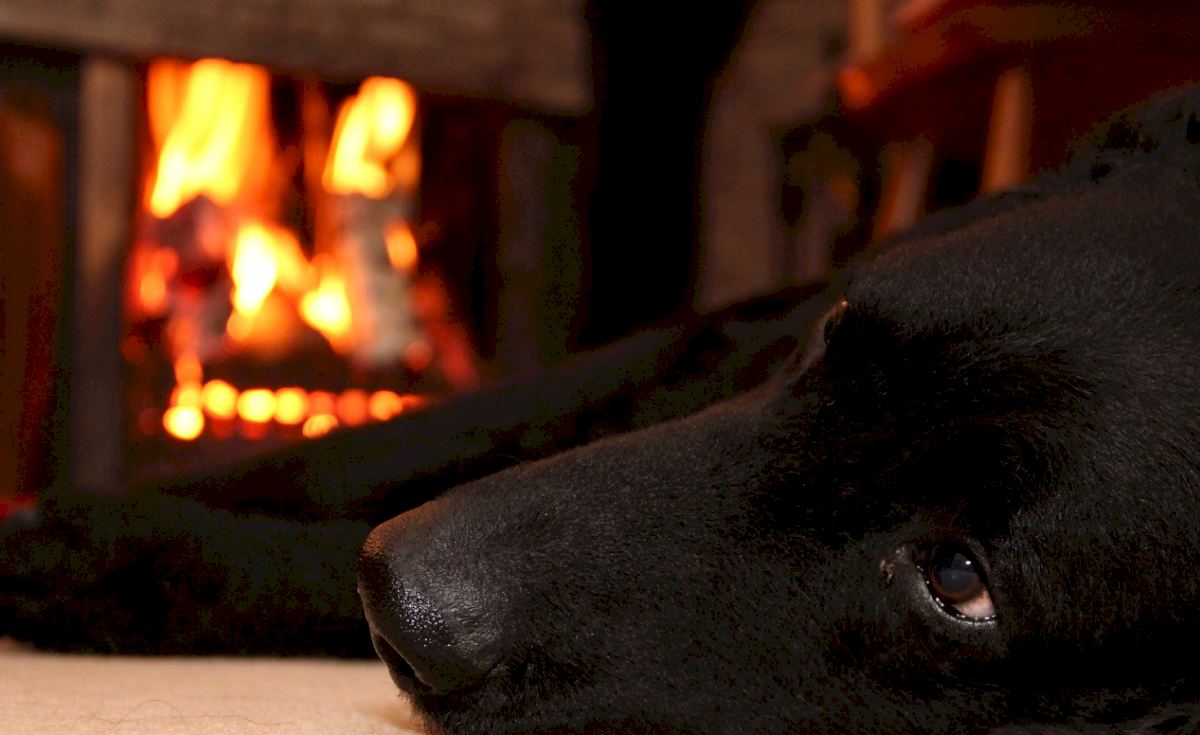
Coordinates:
x,y
214,115
219,399
183,418
210,124
319,412
371,129
256,405
352,407
255,267
153,269
183,422
385,404
327,308
319,425
401,246
291,406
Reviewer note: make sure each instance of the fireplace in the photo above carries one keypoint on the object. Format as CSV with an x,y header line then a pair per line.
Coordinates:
x,y
317,265
544,142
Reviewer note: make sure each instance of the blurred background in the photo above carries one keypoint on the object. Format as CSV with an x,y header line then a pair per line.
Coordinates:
x,y
227,227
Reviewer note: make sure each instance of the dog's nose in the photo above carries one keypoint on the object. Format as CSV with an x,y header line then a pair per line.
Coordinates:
x,y
431,629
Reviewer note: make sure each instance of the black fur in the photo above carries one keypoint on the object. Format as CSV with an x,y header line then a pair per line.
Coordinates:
x,y
1019,380
259,557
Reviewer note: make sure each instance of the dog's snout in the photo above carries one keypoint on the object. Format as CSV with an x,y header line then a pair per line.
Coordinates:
x,y
427,626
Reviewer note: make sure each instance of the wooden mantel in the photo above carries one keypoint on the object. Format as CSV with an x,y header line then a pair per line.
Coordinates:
x,y
529,52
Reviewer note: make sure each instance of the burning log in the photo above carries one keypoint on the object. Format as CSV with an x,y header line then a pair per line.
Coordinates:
x,y
384,321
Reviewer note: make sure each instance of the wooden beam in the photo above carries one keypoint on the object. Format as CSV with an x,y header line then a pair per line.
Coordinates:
x,y
1006,159
108,98
529,52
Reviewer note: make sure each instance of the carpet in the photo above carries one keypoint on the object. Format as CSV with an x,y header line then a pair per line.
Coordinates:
x,y
124,695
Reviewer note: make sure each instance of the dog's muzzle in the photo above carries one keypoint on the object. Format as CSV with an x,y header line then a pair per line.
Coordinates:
x,y
433,631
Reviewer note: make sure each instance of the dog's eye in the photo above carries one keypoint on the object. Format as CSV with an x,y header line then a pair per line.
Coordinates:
x,y
955,578
819,338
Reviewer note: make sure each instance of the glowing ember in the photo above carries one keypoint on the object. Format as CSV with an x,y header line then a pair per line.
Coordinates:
x,y
187,395
385,404
291,406
319,425
183,422
352,407
257,405
321,402
219,399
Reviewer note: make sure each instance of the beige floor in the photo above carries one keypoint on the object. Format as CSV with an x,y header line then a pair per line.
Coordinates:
x,y
67,694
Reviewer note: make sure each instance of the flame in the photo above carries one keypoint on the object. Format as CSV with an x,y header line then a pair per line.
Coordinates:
x,y
153,268
401,246
218,125
371,129
188,369
327,308
255,267
264,258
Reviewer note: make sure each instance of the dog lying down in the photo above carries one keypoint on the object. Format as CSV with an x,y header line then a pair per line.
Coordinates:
x,y
968,504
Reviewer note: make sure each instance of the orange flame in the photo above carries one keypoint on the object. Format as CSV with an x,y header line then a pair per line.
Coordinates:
x,y
401,246
327,308
263,258
218,124
153,268
255,267
371,128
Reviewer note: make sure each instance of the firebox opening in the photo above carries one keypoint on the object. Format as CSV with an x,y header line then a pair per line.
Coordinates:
x,y
276,287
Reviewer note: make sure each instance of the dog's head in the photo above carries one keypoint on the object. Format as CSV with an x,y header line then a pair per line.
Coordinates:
x,y
969,505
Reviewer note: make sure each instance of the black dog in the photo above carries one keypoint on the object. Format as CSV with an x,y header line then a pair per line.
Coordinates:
x,y
969,505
